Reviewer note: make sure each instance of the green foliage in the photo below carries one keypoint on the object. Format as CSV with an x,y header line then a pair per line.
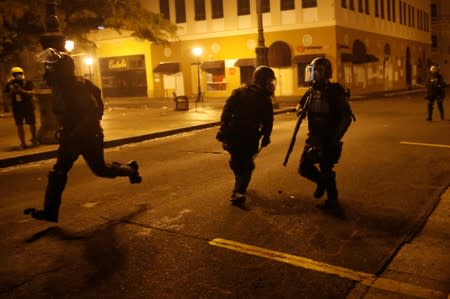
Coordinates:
x,y
20,29
82,16
23,22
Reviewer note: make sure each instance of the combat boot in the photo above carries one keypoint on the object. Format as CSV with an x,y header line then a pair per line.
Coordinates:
x,y
320,190
55,187
332,194
237,198
41,215
134,178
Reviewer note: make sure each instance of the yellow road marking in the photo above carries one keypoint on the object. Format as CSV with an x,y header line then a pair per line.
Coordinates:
x,y
366,279
425,144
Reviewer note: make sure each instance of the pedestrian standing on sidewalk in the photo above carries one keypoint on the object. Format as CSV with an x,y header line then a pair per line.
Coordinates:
x,y
247,120
329,116
435,92
78,106
20,92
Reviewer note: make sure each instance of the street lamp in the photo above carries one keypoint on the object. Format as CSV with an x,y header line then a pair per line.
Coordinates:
x,y
69,45
198,52
89,61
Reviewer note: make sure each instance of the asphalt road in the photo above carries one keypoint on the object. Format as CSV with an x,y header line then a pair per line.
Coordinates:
x,y
176,236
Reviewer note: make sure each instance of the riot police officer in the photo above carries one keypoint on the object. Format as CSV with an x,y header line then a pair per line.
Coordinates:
x,y
21,93
78,106
329,116
435,92
246,124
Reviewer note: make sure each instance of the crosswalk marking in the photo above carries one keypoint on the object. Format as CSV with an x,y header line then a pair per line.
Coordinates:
x,y
366,279
425,144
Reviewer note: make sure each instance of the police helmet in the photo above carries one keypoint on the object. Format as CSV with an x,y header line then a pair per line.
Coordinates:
x,y
263,74
318,70
264,77
17,73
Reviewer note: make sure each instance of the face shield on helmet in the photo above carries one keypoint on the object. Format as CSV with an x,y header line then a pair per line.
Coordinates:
x,y
319,70
49,55
59,66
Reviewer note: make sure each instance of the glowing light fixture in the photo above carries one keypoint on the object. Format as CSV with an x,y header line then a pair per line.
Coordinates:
x,y
69,45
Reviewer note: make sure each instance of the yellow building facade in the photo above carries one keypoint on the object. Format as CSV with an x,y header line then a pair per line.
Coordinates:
x,y
374,45
440,28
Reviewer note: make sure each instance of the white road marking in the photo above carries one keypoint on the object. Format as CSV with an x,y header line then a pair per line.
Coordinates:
x,y
90,204
366,279
425,144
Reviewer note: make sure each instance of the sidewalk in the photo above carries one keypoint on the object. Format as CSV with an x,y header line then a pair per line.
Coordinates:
x,y
420,268
126,120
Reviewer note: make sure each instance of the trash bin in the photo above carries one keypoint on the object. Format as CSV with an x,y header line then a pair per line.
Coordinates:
x,y
181,103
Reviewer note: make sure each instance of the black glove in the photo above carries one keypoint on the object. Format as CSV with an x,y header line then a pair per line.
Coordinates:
x,y
219,136
265,141
59,134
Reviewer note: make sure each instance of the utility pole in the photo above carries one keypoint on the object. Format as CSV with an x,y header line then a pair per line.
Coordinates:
x,y
261,50
52,38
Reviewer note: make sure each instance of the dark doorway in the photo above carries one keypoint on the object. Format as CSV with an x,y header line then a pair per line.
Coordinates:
x,y
408,68
246,73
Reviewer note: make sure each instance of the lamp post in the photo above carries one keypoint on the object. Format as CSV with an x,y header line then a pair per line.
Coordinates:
x,y
261,50
52,38
89,61
198,52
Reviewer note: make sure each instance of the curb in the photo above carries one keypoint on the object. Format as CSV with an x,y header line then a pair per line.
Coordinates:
x,y
50,154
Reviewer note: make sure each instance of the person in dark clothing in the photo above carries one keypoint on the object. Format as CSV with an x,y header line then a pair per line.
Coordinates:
x,y
329,116
21,93
245,125
78,106
435,92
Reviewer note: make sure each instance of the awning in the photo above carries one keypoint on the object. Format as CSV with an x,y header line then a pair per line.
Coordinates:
x,y
306,58
213,65
348,57
167,68
245,62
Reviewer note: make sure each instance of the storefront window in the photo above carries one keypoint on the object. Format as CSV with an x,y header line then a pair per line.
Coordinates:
x,y
123,76
215,80
214,74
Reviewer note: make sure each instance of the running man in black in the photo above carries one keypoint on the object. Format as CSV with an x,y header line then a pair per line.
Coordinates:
x,y
78,106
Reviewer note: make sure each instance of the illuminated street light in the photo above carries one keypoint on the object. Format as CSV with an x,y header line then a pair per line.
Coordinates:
x,y
198,52
69,45
89,61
